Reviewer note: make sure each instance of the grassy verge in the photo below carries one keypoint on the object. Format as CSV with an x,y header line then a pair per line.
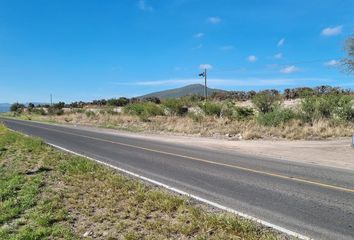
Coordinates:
x,y
47,194
209,126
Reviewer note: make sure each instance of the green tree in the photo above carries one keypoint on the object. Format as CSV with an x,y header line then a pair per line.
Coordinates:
x,y
30,107
17,107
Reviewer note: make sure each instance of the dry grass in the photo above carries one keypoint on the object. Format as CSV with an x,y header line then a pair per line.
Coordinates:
x,y
74,198
207,126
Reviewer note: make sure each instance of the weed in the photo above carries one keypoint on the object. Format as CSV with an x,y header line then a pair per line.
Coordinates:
x,y
275,118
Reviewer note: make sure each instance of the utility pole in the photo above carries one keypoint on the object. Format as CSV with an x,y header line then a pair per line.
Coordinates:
x,y
205,85
204,74
51,100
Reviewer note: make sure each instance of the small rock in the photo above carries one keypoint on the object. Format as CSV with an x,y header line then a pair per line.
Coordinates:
x,y
239,136
87,233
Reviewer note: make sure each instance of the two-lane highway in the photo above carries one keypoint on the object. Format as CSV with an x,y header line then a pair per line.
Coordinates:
x,y
311,200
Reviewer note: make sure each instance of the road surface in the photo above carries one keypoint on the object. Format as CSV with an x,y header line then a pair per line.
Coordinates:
x,y
314,201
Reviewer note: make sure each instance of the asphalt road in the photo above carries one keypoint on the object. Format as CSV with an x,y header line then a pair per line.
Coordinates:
x,y
311,200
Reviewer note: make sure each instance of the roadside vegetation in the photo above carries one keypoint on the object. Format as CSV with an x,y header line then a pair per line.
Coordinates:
x,y
47,194
299,113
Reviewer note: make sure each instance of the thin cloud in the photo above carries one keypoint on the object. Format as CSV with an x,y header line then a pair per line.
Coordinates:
x,y
142,5
332,31
214,20
281,42
227,48
205,66
289,69
199,35
247,82
251,58
331,63
165,82
199,46
278,56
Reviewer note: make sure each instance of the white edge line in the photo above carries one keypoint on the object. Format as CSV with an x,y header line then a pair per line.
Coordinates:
x,y
214,204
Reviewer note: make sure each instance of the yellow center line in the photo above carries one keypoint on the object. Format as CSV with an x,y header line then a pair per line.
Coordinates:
x,y
206,161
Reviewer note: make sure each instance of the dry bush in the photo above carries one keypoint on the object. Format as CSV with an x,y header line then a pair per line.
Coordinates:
x,y
209,126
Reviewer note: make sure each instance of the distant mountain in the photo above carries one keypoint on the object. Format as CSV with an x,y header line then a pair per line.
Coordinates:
x,y
193,89
5,107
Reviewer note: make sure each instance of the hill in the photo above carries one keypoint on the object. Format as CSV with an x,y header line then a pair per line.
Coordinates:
x,y
193,89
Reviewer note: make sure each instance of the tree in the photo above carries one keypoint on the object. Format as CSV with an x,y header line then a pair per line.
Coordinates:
x,y
348,62
30,107
153,100
17,107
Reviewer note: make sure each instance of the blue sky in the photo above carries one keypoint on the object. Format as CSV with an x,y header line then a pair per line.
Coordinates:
x,y
91,49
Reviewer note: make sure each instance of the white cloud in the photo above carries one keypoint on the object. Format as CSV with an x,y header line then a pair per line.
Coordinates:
x,y
332,31
331,63
214,20
205,66
278,56
252,58
281,42
199,35
289,69
142,5
227,48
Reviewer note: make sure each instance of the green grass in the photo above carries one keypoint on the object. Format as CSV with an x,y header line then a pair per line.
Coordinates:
x,y
28,209
47,194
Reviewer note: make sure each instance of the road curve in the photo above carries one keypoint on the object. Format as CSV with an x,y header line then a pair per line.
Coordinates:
x,y
314,201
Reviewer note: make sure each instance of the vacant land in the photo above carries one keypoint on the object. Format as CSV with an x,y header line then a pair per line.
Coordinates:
x,y
48,194
267,115
207,126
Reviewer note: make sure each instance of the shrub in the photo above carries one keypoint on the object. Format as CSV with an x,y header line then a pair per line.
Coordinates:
x,y
211,109
175,106
100,102
55,111
233,112
76,104
134,108
266,102
196,117
39,111
152,109
120,102
344,109
276,117
332,106
153,100
79,110
144,110
308,109
17,107
243,113
90,114
30,107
